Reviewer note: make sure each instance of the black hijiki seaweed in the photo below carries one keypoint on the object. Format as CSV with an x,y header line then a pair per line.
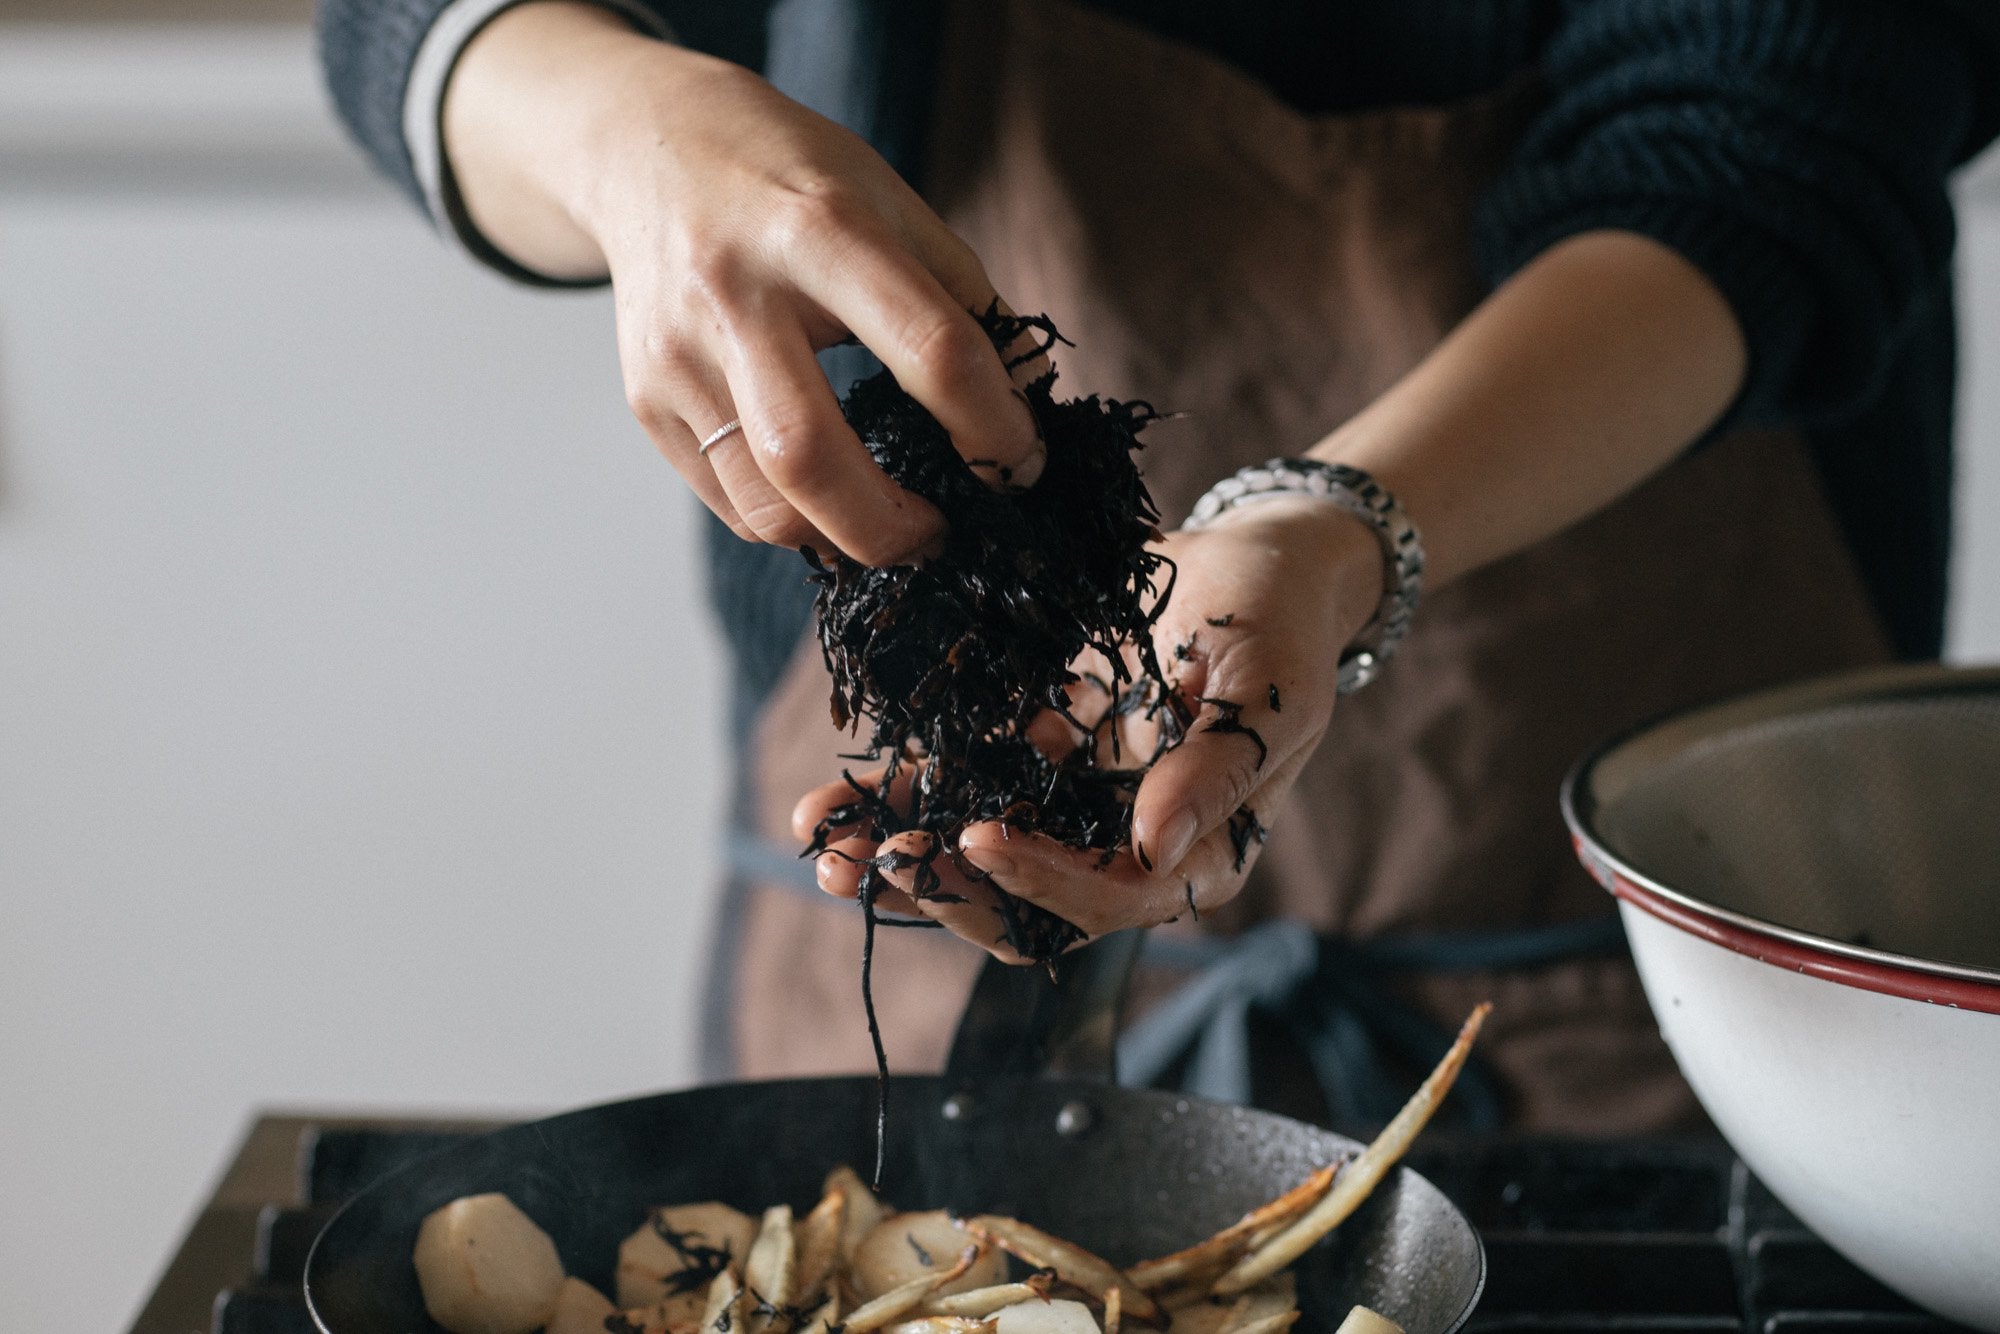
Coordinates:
x,y
949,661
1229,718
700,1263
1244,830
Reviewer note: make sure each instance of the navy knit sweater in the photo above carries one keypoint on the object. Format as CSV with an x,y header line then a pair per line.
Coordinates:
x,y
1795,150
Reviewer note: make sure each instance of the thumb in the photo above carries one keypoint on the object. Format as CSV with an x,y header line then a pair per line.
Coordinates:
x,y
1198,784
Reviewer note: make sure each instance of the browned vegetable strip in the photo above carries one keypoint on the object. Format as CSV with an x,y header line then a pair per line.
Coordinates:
x,y
725,1296
1073,1264
1362,1173
1272,1302
1187,1296
817,1236
941,1324
1219,1250
768,1270
1275,1323
982,1302
862,1211
1114,1306
900,1301
1209,1317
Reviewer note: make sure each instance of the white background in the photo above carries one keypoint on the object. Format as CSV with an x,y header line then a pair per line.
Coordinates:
x,y
358,705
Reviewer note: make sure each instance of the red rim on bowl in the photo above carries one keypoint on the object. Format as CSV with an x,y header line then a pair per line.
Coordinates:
x,y
1957,986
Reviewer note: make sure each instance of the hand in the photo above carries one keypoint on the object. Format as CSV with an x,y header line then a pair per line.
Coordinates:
x,y
1291,582
742,233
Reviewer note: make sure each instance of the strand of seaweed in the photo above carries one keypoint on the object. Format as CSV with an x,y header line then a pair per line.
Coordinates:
x,y
942,666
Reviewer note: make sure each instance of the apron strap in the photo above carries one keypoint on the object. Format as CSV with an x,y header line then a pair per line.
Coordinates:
x,y
1333,999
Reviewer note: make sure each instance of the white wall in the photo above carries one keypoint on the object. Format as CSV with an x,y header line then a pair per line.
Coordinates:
x,y
357,722
355,694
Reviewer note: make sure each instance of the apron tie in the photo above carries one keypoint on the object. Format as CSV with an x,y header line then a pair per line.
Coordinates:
x,y
1333,1000
1330,996
1206,1020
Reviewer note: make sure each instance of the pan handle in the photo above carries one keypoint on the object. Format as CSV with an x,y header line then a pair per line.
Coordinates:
x,y
1056,1020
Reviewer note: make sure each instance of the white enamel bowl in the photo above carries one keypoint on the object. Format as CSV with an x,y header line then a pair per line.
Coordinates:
x,y
1810,877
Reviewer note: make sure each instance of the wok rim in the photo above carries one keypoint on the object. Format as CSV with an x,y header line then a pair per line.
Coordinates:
x,y
1887,972
1183,1100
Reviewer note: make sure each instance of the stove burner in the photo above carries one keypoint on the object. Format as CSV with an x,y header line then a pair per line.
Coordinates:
x,y
1636,1236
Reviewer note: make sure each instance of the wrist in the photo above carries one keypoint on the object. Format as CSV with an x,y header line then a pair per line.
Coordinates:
x,y
525,120
638,106
1336,556
1348,493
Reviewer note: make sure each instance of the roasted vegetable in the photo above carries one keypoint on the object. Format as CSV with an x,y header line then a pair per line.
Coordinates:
x,y
486,1268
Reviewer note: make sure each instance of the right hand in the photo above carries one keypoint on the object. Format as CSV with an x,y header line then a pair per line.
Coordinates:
x,y
742,233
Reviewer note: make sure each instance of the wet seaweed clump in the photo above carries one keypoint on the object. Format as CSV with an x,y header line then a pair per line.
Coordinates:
x,y
942,666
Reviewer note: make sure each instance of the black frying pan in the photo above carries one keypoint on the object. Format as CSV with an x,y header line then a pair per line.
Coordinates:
x,y
1127,1173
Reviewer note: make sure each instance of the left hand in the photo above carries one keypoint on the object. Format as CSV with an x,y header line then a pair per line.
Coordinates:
x,y
1266,598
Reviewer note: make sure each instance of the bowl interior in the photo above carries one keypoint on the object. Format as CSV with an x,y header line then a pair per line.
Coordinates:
x,y
1867,817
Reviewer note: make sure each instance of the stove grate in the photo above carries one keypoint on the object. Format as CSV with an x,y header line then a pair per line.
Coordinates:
x,y
1632,1236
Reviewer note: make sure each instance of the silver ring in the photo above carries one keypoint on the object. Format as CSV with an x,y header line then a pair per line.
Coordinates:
x,y
720,434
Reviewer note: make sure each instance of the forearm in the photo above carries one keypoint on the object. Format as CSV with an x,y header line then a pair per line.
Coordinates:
x,y
1589,370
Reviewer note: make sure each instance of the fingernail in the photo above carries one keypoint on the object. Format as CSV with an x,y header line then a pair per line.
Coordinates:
x,y
1139,851
827,871
1176,839
1029,470
996,862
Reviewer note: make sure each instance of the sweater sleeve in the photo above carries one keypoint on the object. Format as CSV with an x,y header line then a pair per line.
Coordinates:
x,y
1796,151
369,49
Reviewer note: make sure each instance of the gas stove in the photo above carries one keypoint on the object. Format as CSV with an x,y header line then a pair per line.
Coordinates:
x,y
1632,1236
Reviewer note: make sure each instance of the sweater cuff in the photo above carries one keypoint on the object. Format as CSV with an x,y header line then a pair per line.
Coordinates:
x,y
423,123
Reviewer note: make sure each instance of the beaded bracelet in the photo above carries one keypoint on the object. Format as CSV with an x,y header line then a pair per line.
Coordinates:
x,y
1360,495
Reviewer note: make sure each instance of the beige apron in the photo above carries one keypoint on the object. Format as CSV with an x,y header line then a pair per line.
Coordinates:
x,y
1268,274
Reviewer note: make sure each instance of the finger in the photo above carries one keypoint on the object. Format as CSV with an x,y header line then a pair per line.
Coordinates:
x,y
849,802
1076,884
796,470
1087,712
685,454
933,345
1233,745
770,517
664,391
966,906
926,877
1054,735
1191,790
1131,721
978,921
1197,789
1215,868
957,268
840,867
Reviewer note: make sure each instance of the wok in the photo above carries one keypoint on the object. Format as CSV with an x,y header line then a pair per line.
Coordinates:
x,y
1022,1122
